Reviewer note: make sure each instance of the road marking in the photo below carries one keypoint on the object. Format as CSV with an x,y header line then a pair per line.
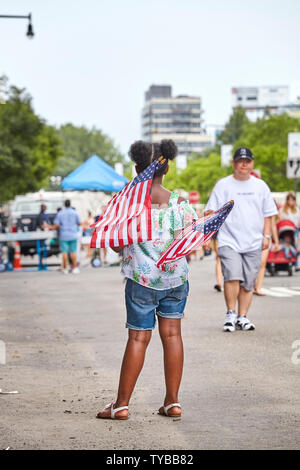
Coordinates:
x,y
286,290
281,291
274,294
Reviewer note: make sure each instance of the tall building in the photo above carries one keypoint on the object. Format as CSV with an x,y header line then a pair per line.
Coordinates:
x,y
257,100
178,118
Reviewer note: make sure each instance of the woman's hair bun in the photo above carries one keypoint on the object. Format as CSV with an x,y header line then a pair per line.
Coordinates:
x,y
140,152
168,149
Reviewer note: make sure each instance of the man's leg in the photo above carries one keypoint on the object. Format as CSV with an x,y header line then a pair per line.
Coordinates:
x,y
251,265
74,260
231,293
231,263
65,260
244,301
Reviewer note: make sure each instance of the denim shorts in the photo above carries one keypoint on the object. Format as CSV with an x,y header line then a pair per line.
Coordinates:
x,y
143,303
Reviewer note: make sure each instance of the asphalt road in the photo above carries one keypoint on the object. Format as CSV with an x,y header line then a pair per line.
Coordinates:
x,y
65,339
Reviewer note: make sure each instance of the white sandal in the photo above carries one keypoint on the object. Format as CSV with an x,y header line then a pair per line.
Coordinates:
x,y
168,407
113,411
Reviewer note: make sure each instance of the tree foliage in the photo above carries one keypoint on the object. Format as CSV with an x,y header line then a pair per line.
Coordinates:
x,y
235,126
29,148
80,143
268,140
200,175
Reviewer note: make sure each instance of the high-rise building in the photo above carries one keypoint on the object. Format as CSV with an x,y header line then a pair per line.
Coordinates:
x,y
178,118
257,100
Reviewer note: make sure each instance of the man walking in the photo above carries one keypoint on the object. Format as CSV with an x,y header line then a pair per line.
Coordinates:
x,y
68,221
243,236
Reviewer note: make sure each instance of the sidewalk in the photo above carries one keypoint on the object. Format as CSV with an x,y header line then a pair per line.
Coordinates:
x,y
65,339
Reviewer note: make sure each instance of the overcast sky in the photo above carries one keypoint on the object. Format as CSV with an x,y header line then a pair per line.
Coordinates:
x,y
91,61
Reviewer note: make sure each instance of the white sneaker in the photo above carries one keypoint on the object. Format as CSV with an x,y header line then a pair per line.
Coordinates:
x,y
76,271
244,324
230,321
65,271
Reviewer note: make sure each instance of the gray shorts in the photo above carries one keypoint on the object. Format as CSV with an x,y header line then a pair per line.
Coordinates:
x,y
241,267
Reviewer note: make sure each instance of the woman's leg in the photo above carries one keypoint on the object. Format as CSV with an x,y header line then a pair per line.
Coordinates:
x,y
219,276
132,364
261,272
170,334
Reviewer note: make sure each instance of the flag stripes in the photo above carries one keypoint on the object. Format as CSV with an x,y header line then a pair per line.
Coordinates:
x,y
127,217
196,234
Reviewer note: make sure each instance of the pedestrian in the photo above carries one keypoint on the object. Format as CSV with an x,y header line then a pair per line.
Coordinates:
x,y
152,292
219,276
291,212
243,236
43,222
67,221
264,258
87,231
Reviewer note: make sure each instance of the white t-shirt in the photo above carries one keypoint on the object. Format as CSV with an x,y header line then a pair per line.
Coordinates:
x,y
244,226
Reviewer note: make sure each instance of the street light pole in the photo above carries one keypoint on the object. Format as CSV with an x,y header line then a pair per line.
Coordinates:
x,y
30,32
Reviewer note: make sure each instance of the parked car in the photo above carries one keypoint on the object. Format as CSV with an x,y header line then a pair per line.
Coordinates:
x,y
25,215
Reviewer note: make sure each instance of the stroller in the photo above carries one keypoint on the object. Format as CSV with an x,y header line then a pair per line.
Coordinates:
x,y
283,259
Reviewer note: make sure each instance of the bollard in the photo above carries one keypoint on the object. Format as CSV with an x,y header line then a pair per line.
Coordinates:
x,y
17,257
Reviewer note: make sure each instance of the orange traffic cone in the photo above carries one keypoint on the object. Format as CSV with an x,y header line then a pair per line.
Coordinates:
x,y
17,257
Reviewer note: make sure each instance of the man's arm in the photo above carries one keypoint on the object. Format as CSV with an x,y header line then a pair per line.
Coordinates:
x,y
267,233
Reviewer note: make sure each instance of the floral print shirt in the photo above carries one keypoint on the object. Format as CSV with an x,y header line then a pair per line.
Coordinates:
x,y
139,260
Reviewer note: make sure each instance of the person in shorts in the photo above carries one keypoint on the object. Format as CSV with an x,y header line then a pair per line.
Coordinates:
x,y
243,236
67,221
153,294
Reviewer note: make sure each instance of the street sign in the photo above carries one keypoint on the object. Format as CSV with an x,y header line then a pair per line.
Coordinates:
x,y
293,160
226,154
293,168
181,162
194,197
293,145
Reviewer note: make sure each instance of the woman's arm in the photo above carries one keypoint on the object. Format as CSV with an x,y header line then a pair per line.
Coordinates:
x,y
275,234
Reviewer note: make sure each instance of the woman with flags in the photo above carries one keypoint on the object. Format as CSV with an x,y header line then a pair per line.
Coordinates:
x,y
150,291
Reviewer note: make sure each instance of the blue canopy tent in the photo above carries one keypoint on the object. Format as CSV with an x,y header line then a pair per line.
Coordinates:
x,y
94,174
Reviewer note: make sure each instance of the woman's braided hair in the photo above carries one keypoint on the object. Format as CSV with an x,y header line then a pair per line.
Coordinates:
x,y
141,152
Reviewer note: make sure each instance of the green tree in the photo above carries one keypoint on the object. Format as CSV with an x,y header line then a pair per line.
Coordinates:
x,y
29,148
268,141
80,143
200,175
272,130
235,126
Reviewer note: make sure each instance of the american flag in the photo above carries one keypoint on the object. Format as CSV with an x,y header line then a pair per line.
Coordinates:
x,y
127,217
196,234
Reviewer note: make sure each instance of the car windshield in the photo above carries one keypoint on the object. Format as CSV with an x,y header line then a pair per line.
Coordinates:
x,y
34,207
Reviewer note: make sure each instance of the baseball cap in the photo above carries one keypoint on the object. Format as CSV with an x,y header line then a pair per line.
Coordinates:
x,y
242,152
